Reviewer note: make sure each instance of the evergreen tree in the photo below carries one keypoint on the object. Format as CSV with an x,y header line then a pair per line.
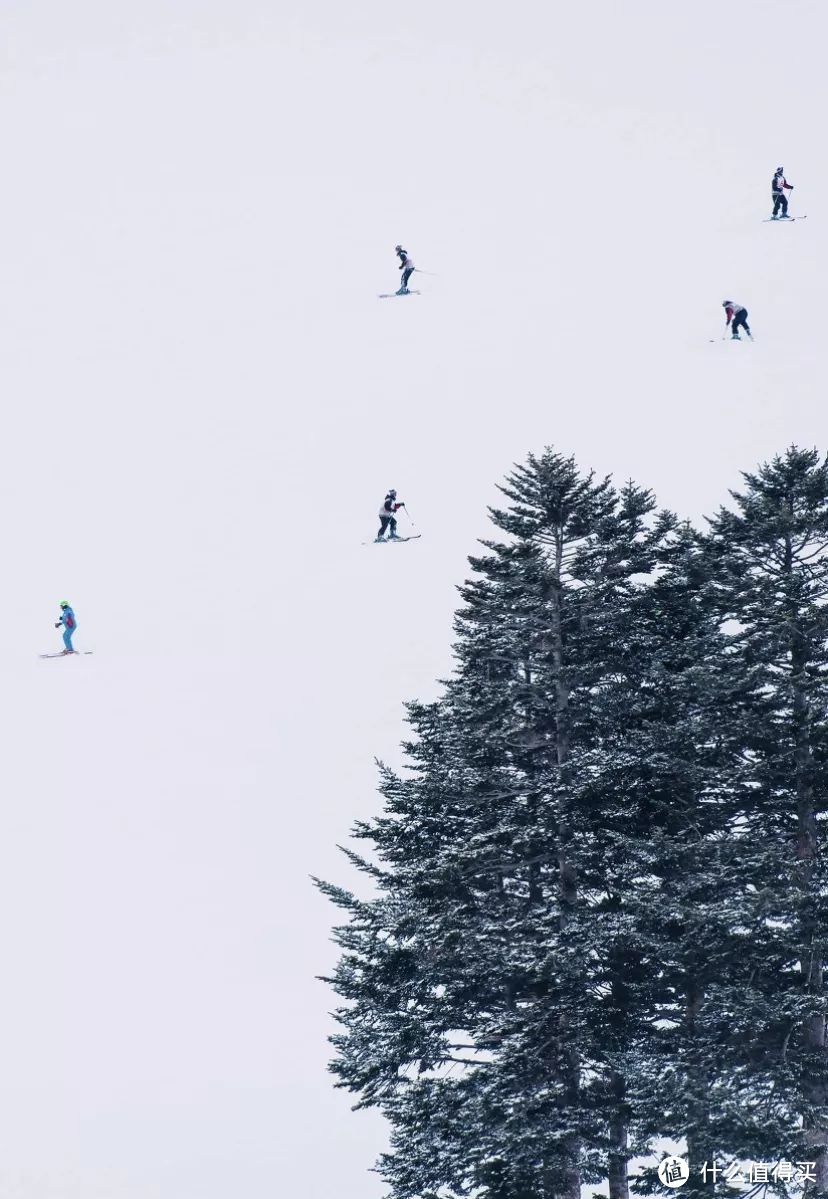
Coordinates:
x,y
680,884
773,557
480,851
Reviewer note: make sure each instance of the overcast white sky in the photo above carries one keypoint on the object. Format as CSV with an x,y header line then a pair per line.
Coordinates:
x,y
204,405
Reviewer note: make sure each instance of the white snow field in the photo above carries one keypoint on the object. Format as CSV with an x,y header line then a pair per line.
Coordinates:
x,y
204,404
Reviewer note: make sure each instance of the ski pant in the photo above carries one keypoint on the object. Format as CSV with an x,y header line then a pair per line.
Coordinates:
x,y
406,275
68,634
385,521
740,322
780,200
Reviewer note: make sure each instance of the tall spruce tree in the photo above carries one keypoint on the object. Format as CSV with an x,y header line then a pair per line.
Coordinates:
x,y
773,580
676,911
641,795
477,953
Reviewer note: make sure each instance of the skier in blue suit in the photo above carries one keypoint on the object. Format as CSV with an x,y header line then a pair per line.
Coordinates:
x,y
67,619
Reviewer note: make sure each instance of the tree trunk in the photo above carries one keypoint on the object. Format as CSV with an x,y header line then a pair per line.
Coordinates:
x,y
812,966
700,1150
566,874
619,1185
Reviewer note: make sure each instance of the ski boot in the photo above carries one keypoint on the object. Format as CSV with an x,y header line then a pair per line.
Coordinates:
x,y
403,291
735,337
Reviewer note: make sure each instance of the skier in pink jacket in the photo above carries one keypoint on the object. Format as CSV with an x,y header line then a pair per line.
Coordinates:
x,y
736,315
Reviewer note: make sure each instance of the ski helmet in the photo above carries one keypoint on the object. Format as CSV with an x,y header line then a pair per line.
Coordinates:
x,y
726,302
779,170
397,247
64,603
391,491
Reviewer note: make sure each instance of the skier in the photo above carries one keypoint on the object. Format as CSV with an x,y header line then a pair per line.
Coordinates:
x,y
67,619
387,516
779,186
407,268
738,315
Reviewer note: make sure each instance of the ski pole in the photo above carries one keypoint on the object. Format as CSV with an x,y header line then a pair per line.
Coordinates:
x,y
410,521
433,274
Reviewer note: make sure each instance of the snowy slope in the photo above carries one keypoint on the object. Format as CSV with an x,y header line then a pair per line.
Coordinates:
x,y
205,403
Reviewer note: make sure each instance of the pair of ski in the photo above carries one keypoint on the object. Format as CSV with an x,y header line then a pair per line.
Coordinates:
x,y
391,295
392,540
777,219
76,653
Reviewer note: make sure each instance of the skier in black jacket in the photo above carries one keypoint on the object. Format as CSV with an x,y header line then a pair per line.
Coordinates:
x,y
387,515
407,268
779,186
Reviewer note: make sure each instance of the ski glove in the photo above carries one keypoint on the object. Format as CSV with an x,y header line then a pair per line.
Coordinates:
x,y
57,626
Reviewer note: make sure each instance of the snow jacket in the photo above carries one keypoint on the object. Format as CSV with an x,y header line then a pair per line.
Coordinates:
x,y
778,183
67,618
389,507
733,310
405,261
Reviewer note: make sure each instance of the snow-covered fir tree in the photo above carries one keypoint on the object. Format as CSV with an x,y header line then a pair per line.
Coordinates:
x,y
478,852
772,546
675,910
